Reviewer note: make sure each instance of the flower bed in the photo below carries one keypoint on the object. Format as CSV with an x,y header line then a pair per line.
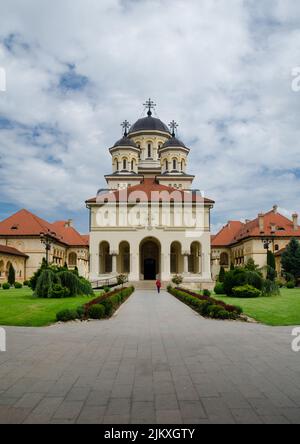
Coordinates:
x,y
206,305
102,307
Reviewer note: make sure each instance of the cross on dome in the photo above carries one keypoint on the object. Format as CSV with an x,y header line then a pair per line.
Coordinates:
x,y
126,126
173,126
150,104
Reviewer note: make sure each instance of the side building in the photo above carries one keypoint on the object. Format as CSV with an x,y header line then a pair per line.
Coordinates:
x,y
238,241
21,246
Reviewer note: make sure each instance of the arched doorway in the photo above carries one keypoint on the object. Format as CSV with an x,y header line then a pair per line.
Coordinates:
x,y
105,258
150,259
195,258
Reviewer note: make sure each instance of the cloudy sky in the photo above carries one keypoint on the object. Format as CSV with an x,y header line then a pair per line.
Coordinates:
x,y
77,68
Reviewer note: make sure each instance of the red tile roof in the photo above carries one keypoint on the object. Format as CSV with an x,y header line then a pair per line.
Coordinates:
x,y
11,251
150,191
25,223
275,224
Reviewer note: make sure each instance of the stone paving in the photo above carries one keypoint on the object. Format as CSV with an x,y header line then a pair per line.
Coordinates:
x,y
156,361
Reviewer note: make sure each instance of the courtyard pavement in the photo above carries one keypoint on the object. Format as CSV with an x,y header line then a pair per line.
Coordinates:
x,y
156,361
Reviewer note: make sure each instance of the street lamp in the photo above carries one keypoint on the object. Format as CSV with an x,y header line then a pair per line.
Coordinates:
x,y
47,240
267,242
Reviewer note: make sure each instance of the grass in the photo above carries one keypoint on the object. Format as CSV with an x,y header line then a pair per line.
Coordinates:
x,y
283,310
20,308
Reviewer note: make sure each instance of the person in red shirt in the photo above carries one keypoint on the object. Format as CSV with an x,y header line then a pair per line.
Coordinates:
x,y
158,285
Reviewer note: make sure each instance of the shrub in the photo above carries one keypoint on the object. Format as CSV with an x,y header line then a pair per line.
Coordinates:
x,y
219,288
106,289
240,277
270,288
206,293
59,292
26,283
279,283
222,274
96,311
246,291
66,315
11,275
177,280
18,285
108,305
6,286
122,279
80,312
45,283
77,286
290,285
218,312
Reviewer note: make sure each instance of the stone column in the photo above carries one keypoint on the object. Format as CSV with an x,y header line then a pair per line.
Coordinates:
x,y
186,255
114,263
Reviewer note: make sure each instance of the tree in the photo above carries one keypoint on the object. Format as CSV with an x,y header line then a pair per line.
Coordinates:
x,y
271,268
11,275
222,274
290,259
251,265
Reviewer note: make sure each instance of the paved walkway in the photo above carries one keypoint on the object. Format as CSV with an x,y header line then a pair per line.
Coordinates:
x,y
156,361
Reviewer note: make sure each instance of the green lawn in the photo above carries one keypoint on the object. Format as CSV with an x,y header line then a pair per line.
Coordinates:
x,y
22,309
280,310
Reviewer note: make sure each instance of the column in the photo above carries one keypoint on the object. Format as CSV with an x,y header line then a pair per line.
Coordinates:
x,y
114,263
186,262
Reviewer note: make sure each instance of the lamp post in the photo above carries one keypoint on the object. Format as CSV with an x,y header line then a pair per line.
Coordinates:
x,y
267,242
47,240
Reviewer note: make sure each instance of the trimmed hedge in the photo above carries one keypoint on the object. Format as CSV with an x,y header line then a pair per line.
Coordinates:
x,y
96,311
219,288
205,305
66,315
6,286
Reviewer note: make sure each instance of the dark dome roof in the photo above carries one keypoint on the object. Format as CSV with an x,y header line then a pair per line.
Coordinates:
x,y
149,124
174,142
125,141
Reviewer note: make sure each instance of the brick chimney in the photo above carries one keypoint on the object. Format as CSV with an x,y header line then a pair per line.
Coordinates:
x,y
261,222
69,223
275,209
295,221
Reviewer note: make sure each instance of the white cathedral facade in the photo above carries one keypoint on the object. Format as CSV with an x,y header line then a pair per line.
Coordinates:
x,y
150,223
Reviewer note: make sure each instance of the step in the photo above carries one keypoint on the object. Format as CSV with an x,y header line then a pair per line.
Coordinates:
x,y
148,285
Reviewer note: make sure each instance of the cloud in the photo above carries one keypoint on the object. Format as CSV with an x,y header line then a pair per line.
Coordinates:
x,y
75,70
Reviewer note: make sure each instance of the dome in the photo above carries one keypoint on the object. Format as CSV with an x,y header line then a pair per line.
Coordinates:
x,y
149,124
173,143
125,141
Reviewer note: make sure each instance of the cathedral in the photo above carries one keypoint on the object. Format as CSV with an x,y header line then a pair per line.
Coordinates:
x,y
149,222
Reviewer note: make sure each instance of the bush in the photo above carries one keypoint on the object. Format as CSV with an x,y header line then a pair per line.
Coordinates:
x,y
59,292
290,285
107,304
26,283
177,280
11,275
80,312
206,293
66,315
240,277
96,311
270,288
45,283
106,289
280,283
18,285
217,312
222,274
219,288
246,291
122,279
6,286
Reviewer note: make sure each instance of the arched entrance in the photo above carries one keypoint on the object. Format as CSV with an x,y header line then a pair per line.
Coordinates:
x,y
150,259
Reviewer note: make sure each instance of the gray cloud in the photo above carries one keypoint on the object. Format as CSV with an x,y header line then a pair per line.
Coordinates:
x,y
75,70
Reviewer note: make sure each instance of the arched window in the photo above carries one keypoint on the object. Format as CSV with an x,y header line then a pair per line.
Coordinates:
x,y
149,151
167,165
174,164
1,268
72,259
132,165
124,164
182,165
224,260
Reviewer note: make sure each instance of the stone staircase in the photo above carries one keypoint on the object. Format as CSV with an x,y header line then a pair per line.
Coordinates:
x,y
148,285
